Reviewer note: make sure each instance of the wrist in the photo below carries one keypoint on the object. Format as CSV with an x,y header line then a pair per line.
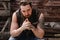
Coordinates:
x,y
22,28
33,28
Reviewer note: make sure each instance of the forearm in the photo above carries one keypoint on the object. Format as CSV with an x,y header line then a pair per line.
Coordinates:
x,y
39,33
16,32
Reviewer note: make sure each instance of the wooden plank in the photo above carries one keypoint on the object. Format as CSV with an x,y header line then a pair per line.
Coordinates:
x,y
6,0
4,12
52,3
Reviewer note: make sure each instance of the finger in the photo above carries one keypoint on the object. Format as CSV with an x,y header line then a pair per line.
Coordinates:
x,y
26,19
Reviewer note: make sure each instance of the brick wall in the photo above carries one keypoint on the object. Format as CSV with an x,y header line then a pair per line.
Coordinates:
x,y
4,14
51,8
4,7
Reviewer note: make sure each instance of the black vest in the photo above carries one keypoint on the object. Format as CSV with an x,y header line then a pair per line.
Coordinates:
x,y
27,34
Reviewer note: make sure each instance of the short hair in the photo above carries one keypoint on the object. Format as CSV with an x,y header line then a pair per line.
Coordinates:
x,y
25,3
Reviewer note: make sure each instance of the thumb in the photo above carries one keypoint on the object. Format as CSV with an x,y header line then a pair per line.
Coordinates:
x,y
26,19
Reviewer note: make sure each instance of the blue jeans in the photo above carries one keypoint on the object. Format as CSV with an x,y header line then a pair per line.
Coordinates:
x,y
11,38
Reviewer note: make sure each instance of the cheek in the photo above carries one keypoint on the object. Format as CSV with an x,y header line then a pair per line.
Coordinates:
x,y
30,12
23,13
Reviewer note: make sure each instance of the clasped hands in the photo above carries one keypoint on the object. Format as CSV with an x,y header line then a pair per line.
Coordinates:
x,y
27,25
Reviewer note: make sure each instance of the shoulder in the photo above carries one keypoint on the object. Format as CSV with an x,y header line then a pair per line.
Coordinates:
x,y
16,11
36,10
14,16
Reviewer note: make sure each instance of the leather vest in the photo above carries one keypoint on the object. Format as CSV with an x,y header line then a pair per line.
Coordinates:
x,y
27,34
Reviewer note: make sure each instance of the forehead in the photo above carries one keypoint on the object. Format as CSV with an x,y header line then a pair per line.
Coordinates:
x,y
25,7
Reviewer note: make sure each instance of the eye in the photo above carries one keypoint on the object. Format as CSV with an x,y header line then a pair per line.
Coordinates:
x,y
23,11
28,10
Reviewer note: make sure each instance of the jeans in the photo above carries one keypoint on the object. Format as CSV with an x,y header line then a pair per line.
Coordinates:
x,y
11,38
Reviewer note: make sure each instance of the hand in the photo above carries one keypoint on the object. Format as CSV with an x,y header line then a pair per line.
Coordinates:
x,y
26,24
29,25
32,27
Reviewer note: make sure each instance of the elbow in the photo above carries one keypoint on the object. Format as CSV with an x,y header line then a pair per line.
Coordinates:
x,y
42,34
13,33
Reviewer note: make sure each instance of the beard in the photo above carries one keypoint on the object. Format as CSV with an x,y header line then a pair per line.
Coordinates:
x,y
27,16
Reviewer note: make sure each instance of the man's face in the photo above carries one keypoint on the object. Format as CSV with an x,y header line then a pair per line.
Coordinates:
x,y
26,10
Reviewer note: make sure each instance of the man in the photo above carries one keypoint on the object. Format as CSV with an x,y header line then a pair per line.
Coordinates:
x,y
26,23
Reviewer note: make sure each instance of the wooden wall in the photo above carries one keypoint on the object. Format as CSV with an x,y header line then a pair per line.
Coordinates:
x,y
51,8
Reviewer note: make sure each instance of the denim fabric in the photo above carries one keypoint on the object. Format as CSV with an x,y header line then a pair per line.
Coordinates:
x,y
11,38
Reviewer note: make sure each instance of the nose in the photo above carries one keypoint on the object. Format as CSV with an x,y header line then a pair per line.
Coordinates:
x,y
26,13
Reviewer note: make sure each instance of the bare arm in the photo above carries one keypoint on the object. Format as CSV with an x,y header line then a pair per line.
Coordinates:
x,y
14,30
39,32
